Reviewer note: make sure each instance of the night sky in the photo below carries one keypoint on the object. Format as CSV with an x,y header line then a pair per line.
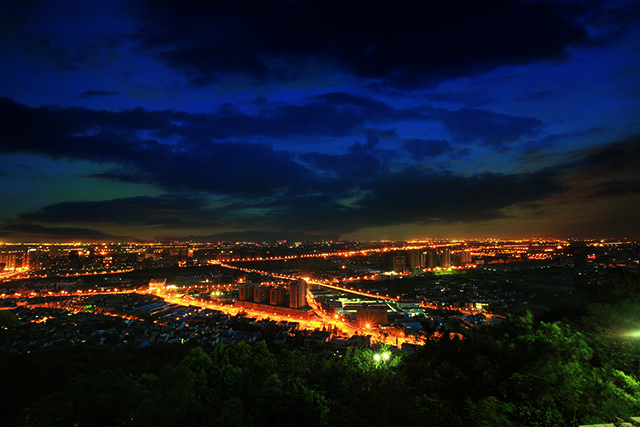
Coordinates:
x,y
318,120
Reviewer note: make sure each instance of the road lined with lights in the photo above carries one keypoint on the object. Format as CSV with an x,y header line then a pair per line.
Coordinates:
x,y
331,320
309,280
234,311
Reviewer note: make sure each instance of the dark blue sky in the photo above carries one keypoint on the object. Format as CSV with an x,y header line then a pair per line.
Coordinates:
x,y
311,120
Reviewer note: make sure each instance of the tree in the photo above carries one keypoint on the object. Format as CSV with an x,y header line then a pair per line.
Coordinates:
x,y
107,399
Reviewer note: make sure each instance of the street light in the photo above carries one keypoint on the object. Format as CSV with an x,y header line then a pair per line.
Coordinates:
x,y
381,357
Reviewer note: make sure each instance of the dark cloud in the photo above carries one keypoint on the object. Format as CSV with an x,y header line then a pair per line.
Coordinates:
x,y
615,188
84,54
613,21
90,93
14,14
57,234
611,169
124,211
253,235
119,176
336,194
492,129
410,197
612,162
331,114
387,198
340,207
468,99
422,148
360,162
530,149
620,157
406,43
537,95
430,196
196,162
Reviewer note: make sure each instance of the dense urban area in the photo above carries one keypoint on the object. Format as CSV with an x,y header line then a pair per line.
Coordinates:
x,y
442,332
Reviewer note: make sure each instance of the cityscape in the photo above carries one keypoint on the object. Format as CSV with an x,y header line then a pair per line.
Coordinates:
x,y
320,213
382,292
329,299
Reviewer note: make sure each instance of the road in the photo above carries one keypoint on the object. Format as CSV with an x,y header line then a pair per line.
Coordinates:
x,y
329,319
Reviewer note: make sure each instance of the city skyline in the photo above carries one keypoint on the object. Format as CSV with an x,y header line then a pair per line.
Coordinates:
x,y
305,121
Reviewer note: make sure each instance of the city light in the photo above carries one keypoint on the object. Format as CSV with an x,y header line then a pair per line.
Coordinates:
x,y
382,357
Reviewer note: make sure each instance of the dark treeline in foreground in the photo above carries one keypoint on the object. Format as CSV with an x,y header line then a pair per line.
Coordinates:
x,y
526,371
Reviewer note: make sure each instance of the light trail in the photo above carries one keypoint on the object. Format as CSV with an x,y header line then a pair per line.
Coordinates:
x,y
329,320
309,280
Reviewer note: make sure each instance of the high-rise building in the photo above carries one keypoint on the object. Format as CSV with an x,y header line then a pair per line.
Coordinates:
x,y
429,259
12,259
261,294
246,292
395,260
413,259
445,258
465,257
277,296
298,294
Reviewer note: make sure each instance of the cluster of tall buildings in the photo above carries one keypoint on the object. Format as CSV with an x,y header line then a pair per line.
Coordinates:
x,y
295,294
11,260
412,259
290,301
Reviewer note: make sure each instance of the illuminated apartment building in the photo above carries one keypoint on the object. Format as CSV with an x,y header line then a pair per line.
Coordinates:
x,y
298,294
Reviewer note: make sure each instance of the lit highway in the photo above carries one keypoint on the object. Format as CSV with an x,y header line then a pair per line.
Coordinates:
x,y
330,319
313,282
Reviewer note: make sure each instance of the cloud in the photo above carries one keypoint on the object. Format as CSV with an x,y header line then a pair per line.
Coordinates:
x,y
492,129
338,206
468,99
613,21
409,43
613,165
422,148
617,157
90,93
119,176
295,196
330,114
431,196
538,95
152,146
615,188
411,196
360,162
253,235
332,194
195,162
143,210
58,234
